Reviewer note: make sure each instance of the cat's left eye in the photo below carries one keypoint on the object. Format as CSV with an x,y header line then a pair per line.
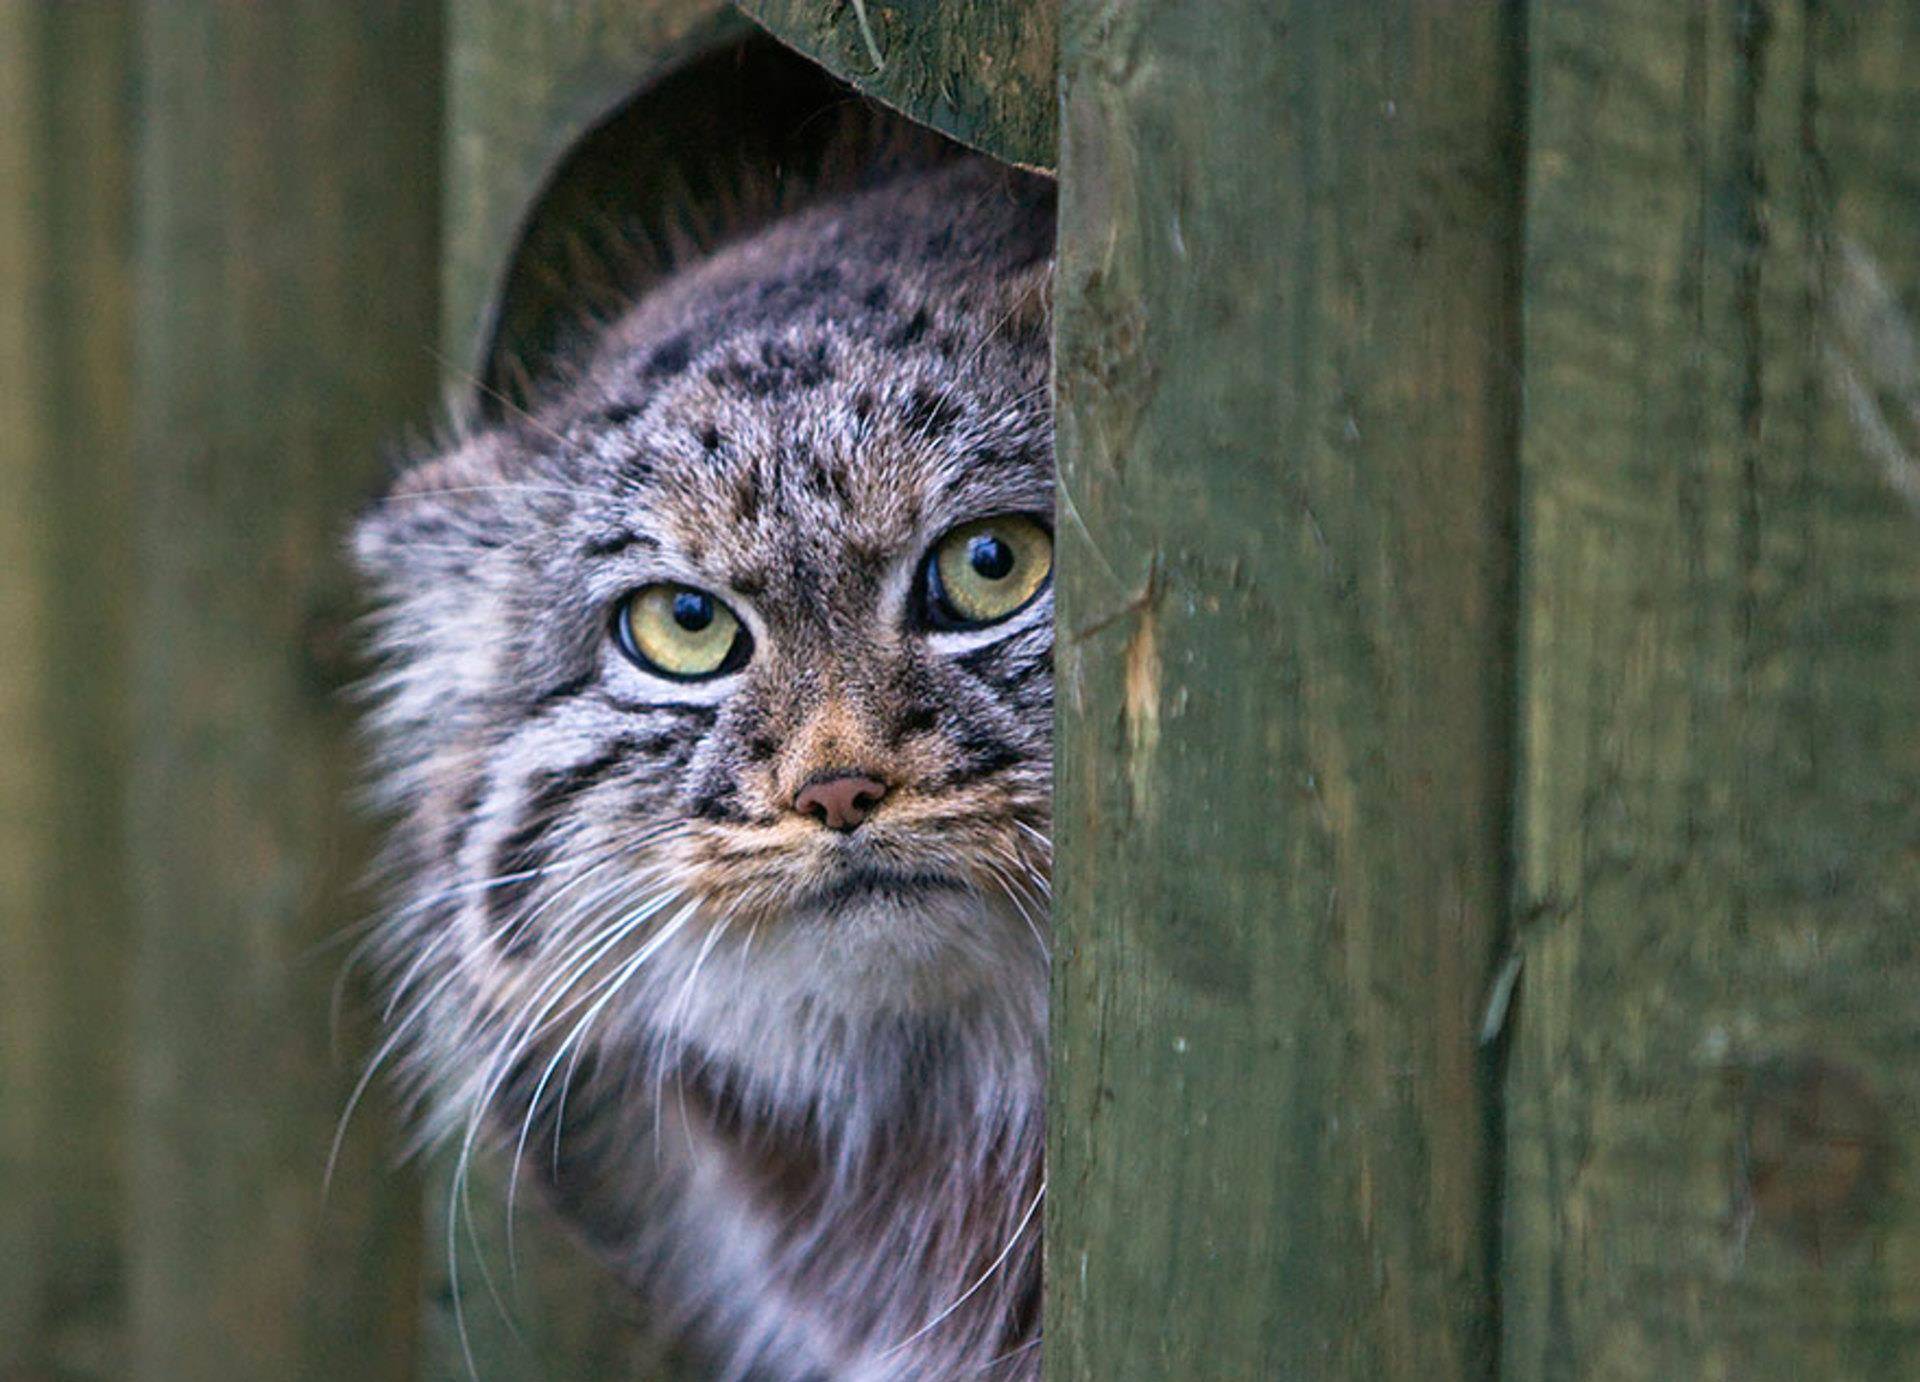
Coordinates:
x,y
985,571
680,632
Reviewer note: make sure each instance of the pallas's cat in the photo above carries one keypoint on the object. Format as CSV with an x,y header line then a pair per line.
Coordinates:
x,y
715,705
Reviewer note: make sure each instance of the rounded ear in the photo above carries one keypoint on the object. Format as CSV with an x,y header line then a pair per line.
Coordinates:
x,y
439,515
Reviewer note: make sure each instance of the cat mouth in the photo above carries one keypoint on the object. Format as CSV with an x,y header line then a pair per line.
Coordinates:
x,y
868,880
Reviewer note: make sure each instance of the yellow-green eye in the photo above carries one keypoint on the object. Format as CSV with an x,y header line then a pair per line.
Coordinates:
x,y
680,632
984,571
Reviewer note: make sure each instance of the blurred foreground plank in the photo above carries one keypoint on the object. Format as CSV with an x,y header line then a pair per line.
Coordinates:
x,y
66,105
1714,1107
287,269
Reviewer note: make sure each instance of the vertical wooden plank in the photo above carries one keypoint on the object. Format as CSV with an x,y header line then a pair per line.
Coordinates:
x,y
65,346
287,265
1715,1097
981,71
1285,354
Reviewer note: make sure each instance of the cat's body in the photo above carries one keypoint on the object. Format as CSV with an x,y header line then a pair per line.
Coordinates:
x,y
775,927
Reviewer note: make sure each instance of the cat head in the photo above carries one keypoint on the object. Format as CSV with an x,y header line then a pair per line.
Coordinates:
x,y
716,691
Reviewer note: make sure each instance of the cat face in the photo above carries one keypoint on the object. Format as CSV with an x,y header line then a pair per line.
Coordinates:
x,y
717,692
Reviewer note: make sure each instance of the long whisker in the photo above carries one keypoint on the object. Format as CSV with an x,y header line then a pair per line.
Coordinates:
x,y
397,1036
498,397
611,986
984,1278
379,925
606,987
683,1001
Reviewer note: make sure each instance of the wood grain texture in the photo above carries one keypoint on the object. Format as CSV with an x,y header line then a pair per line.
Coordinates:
x,y
1285,362
981,71
1715,1096
65,369
287,262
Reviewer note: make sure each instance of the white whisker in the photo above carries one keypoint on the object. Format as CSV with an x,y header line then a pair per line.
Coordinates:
x,y
984,1278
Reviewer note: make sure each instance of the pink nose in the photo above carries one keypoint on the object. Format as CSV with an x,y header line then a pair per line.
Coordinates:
x,y
840,802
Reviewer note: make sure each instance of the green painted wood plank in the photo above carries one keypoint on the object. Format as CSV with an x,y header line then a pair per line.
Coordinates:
x,y
65,347
982,71
1285,358
287,263
1715,1097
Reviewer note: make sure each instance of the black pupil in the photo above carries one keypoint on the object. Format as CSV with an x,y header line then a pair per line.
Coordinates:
x,y
692,611
990,557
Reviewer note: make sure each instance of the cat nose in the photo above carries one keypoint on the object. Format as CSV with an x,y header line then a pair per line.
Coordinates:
x,y
840,801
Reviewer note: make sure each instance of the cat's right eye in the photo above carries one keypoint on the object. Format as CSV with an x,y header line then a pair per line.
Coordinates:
x,y
679,632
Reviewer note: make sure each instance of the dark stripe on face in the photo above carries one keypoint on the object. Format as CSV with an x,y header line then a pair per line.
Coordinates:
x,y
1030,686
608,544
562,691
673,356
915,719
466,812
528,848
982,661
517,860
691,712
718,801
930,414
984,754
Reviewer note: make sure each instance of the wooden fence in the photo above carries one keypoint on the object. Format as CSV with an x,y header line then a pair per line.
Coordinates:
x,y
1489,655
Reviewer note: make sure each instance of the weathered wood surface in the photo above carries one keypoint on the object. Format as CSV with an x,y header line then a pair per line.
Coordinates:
x,y
65,346
982,71
1715,1098
1288,303
287,262
1285,361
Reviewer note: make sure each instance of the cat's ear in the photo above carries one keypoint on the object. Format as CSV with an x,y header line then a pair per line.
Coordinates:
x,y
439,515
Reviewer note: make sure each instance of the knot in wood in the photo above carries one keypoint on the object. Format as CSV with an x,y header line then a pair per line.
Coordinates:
x,y
1816,1153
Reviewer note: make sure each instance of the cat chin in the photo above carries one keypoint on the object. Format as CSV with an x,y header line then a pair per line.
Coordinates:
x,y
896,946
845,968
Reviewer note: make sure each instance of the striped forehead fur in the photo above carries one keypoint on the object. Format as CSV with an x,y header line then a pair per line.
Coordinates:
x,y
795,1102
